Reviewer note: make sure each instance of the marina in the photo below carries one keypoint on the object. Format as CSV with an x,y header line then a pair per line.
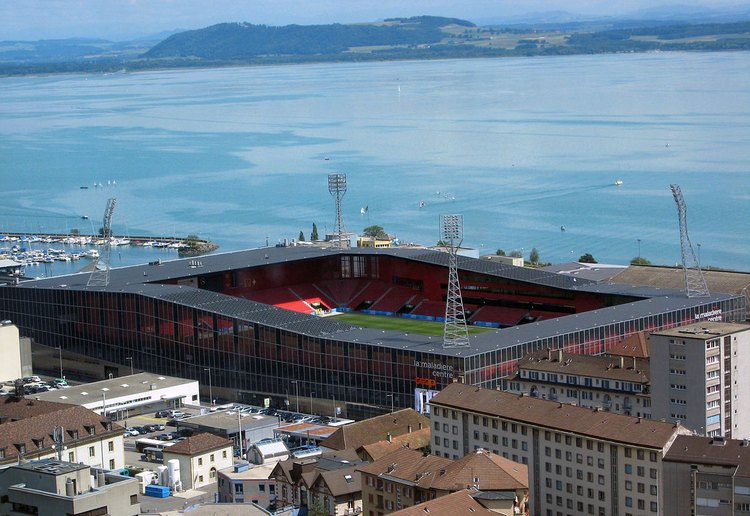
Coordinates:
x,y
47,249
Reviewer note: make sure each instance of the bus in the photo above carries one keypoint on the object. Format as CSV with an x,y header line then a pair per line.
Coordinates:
x,y
142,444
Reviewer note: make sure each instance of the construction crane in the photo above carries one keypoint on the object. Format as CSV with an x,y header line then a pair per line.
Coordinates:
x,y
100,274
695,283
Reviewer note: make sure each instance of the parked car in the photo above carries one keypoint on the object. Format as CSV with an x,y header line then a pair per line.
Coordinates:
x,y
162,414
133,431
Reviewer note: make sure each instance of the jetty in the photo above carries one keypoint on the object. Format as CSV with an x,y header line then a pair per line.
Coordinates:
x,y
21,246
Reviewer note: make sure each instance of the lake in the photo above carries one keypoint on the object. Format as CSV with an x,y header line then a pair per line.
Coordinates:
x,y
521,147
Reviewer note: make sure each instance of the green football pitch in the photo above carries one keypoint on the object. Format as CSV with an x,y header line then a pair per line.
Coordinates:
x,y
399,324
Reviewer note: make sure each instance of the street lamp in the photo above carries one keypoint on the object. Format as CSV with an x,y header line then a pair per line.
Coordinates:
x,y
390,396
639,247
131,364
59,348
210,385
296,389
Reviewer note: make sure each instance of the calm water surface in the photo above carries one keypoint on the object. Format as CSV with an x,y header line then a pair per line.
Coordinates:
x,y
520,147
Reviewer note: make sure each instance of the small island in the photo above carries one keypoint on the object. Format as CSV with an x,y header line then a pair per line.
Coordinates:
x,y
194,246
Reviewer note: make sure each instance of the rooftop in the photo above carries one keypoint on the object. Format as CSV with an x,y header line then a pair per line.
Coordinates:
x,y
694,449
198,444
112,388
558,416
376,429
145,280
704,330
558,361
460,502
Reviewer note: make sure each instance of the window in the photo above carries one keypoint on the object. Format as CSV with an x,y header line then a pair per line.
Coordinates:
x,y
200,461
224,454
92,451
111,446
261,488
200,478
111,463
212,458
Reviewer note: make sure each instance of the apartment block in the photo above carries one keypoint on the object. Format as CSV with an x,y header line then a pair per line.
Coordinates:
x,y
696,378
580,460
617,384
709,476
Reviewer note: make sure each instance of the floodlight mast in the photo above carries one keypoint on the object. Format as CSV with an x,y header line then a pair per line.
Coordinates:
x,y
695,283
100,274
337,188
455,333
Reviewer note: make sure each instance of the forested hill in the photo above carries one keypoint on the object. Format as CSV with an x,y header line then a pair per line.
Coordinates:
x,y
232,41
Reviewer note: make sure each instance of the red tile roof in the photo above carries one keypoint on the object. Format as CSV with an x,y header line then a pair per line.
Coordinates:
x,y
198,444
376,429
454,504
31,423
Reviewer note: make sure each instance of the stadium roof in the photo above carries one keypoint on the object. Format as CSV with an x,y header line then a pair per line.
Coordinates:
x,y
144,280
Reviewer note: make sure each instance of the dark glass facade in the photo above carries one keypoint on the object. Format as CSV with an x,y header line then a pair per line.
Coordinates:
x,y
249,361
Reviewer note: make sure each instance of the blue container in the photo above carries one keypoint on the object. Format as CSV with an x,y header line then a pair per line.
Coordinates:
x,y
157,491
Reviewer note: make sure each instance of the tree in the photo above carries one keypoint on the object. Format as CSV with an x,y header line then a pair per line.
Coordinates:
x,y
301,237
515,254
75,232
500,252
534,256
314,234
587,258
375,232
639,260
317,509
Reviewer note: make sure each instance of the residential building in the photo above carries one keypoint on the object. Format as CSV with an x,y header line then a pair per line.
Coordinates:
x,y
374,429
376,242
201,456
707,476
700,382
615,384
405,477
50,488
28,428
302,482
581,461
248,483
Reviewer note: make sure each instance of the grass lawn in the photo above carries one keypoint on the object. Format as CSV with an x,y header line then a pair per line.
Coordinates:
x,y
402,324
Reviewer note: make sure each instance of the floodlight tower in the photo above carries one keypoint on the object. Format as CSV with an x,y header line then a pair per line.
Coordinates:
x,y
100,275
695,283
455,334
337,188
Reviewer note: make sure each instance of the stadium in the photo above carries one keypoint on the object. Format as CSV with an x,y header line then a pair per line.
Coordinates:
x,y
262,325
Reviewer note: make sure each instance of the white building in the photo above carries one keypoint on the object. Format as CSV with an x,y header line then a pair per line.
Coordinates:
x,y
51,487
697,378
201,456
127,395
10,350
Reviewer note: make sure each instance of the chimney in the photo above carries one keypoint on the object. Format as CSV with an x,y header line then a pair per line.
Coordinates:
x,y
389,437
420,426
559,355
633,362
408,429
622,362
549,354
